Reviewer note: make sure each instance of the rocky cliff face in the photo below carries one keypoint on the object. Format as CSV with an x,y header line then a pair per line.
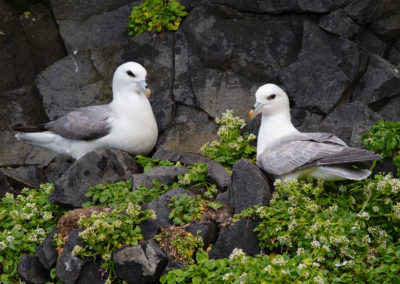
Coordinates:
x,y
336,59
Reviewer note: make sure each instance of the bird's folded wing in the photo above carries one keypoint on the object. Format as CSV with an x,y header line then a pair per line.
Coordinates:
x,y
86,123
292,155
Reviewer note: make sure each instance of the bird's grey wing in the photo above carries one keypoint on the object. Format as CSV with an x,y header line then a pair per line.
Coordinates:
x,y
293,155
86,123
349,155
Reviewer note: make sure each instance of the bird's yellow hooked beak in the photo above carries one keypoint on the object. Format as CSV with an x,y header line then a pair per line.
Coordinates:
x,y
148,92
256,110
251,114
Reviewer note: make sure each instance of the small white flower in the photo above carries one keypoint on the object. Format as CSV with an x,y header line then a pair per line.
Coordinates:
x,y
268,268
363,215
10,239
77,250
316,264
3,245
375,209
300,251
106,257
301,266
318,279
226,276
315,244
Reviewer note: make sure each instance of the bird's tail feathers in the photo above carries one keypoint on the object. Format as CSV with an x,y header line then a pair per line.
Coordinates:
x,y
37,138
347,172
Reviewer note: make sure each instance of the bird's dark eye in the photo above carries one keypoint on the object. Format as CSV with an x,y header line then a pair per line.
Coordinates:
x,y
129,72
271,97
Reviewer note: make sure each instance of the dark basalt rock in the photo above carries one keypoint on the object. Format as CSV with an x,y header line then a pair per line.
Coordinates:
x,y
209,232
100,166
238,235
324,71
5,186
92,273
31,270
24,176
249,186
143,263
164,174
46,252
339,23
349,121
380,81
69,267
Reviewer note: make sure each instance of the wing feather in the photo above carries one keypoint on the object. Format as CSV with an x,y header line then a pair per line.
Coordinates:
x,y
86,123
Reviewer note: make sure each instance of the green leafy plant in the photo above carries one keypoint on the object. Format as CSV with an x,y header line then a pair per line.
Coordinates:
x,y
149,163
240,268
179,244
197,176
232,144
187,209
156,15
117,195
105,232
348,230
384,138
25,221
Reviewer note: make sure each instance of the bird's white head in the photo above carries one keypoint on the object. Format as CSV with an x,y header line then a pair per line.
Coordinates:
x,y
130,76
270,99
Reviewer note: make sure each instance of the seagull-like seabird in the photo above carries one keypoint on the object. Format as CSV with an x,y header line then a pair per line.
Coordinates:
x,y
127,123
287,153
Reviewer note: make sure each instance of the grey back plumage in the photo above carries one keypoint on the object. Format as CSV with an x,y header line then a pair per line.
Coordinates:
x,y
310,149
86,123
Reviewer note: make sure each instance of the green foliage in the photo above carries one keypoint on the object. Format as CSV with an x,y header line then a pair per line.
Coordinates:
x,y
384,138
25,222
186,208
197,176
156,15
179,244
232,145
105,232
117,195
240,268
350,232
187,245
149,163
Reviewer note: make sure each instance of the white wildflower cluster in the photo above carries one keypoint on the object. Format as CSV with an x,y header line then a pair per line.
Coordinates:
x,y
268,268
133,209
342,188
301,266
313,207
339,240
300,251
47,215
234,146
366,239
352,200
396,210
3,245
363,215
279,260
315,244
379,233
375,209
9,195
77,250
292,225
227,276
238,254
315,264
10,239
285,271
326,247
260,211
368,189
319,280
293,201
186,180
230,120
285,240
